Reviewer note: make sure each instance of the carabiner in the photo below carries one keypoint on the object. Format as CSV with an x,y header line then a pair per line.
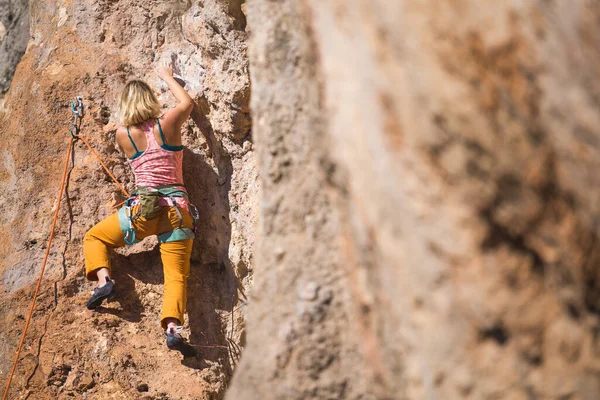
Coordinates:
x,y
130,232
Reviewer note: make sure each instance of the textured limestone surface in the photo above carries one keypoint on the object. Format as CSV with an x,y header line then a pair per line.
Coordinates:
x,y
91,49
429,207
14,34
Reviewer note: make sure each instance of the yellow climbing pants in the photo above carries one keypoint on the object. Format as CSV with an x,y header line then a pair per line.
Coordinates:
x,y
175,256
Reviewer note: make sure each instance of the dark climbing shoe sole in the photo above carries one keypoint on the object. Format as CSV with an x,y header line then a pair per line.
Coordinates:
x,y
100,294
181,345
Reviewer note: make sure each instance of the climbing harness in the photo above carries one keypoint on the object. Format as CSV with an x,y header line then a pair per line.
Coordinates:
x,y
126,221
147,200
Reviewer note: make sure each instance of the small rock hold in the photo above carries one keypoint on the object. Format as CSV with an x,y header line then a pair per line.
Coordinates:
x,y
2,32
86,384
127,361
464,381
58,375
279,253
142,387
310,291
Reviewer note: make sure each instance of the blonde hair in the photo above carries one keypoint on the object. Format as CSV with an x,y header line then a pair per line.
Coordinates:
x,y
137,103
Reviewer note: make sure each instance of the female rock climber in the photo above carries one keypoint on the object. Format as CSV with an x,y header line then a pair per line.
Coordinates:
x,y
160,205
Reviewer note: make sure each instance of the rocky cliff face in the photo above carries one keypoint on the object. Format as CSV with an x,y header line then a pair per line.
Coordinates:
x,y
14,34
91,49
429,206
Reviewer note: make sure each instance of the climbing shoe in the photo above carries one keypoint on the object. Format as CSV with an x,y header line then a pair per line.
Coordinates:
x,y
176,342
100,293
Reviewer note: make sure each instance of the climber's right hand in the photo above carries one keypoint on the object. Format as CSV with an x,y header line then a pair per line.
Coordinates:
x,y
165,72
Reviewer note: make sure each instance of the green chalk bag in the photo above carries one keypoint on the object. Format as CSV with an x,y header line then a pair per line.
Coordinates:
x,y
148,202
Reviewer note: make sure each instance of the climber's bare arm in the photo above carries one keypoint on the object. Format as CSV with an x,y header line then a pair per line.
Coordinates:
x,y
174,119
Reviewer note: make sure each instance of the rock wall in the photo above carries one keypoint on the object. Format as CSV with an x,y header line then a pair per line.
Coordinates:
x,y
91,49
14,34
428,205
428,219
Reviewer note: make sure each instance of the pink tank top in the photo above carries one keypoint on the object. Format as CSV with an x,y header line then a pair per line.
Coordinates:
x,y
156,165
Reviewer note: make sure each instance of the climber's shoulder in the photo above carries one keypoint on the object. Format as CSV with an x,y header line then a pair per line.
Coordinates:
x,y
122,139
121,134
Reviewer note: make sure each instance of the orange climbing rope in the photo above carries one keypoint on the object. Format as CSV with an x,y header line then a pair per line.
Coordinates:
x,y
104,166
78,110
37,288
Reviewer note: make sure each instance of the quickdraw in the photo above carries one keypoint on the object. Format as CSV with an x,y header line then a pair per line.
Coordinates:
x,y
195,215
77,108
130,232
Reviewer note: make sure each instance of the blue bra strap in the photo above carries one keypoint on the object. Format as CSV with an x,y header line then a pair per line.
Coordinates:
x,y
172,148
161,132
132,142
